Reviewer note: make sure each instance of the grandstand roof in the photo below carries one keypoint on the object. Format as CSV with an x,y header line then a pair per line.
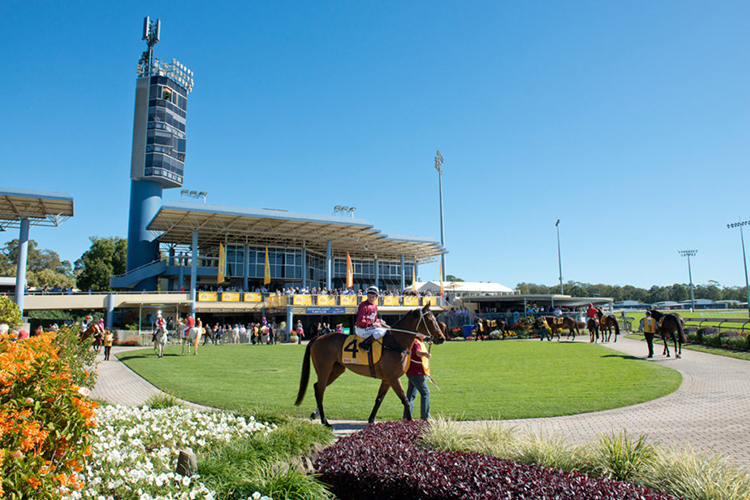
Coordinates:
x,y
41,208
236,225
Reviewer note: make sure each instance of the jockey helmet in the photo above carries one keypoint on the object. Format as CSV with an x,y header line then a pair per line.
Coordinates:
x,y
373,289
88,317
158,314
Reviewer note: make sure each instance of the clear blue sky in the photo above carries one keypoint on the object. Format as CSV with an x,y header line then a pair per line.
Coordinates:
x,y
627,120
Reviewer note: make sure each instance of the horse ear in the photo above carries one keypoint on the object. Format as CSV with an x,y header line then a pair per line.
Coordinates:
x,y
426,307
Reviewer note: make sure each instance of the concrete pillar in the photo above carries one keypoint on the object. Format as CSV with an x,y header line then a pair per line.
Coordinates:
x,y
304,267
23,253
194,273
329,266
403,275
110,309
377,273
143,245
289,321
246,274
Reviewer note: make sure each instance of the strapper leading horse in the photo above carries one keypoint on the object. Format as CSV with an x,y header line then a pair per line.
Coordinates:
x,y
326,354
673,325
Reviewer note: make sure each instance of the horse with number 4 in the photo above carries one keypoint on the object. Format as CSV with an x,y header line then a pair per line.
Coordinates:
x,y
332,352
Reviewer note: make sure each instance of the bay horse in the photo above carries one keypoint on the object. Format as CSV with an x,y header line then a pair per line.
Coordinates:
x,y
670,324
606,322
92,331
558,323
485,326
592,325
326,354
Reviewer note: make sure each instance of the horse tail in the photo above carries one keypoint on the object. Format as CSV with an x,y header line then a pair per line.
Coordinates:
x,y
681,331
305,378
617,328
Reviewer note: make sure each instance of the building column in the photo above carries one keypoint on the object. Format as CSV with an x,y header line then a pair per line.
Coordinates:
x,y
110,309
289,321
403,275
377,273
329,266
246,267
170,262
194,273
181,275
304,267
23,253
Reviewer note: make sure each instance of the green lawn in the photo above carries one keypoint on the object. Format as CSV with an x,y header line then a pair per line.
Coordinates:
x,y
511,379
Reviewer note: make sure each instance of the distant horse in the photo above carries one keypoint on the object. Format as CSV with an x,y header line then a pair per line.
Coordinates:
x,y
592,325
190,338
670,324
326,354
160,340
606,322
485,326
93,330
558,323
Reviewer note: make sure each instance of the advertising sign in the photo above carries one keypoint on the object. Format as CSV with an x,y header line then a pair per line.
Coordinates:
x,y
411,301
253,297
326,300
326,310
230,296
207,297
348,300
390,301
302,300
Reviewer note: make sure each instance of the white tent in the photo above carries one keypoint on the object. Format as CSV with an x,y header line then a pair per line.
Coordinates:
x,y
464,288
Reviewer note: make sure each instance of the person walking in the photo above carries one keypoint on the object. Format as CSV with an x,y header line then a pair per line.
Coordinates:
x,y
419,370
300,332
108,339
648,326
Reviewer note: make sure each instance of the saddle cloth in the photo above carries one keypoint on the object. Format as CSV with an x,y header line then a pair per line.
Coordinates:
x,y
351,354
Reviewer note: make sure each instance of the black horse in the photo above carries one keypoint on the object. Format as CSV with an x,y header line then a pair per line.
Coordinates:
x,y
670,324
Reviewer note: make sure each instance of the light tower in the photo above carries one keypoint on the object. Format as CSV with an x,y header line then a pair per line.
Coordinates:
x,y
439,168
158,153
688,254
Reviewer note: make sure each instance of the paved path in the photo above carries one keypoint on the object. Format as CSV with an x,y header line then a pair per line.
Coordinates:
x,y
710,410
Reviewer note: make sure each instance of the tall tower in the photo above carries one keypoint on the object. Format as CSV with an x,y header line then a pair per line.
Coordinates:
x,y
158,154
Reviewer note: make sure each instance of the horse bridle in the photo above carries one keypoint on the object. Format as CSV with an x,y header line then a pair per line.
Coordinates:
x,y
422,315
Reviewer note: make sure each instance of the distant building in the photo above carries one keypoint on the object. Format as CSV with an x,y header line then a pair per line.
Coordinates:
x,y
458,289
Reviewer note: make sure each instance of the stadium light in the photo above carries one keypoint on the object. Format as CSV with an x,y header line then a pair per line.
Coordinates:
x,y
688,254
744,259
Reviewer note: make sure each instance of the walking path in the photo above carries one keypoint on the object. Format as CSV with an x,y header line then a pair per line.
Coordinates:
x,y
708,411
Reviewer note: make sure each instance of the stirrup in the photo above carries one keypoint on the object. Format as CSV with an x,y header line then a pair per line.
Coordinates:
x,y
366,344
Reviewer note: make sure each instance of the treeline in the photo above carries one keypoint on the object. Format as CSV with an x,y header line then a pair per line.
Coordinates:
x,y
677,292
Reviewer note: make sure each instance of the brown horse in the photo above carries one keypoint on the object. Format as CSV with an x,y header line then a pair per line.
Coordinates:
x,y
558,323
326,354
592,325
670,324
606,322
485,326
92,331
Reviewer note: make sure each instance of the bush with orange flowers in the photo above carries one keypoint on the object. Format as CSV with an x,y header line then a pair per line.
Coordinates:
x,y
46,417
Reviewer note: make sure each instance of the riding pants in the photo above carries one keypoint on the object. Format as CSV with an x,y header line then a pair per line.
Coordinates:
x,y
375,332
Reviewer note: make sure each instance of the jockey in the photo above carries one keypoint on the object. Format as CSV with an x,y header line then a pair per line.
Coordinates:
x,y
368,325
86,323
592,312
188,325
160,323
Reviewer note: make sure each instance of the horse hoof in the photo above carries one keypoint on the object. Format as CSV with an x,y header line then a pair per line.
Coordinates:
x,y
678,356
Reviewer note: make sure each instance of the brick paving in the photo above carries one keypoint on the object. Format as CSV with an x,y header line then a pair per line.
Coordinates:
x,y
708,411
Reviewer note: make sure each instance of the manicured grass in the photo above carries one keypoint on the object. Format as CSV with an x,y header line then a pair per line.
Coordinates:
x,y
511,379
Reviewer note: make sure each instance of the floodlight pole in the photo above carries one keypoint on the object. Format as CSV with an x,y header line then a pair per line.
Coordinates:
x,y
439,168
744,259
688,254
559,257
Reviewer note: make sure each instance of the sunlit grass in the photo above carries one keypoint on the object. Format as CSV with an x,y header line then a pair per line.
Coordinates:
x,y
484,380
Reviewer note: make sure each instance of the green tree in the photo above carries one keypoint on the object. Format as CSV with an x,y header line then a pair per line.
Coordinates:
x,y
106,257
450,277
43,267
10,314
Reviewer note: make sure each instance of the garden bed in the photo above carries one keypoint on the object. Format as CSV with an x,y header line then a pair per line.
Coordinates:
x,y
385,461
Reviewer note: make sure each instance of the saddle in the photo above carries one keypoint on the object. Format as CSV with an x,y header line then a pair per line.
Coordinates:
x,y
351,354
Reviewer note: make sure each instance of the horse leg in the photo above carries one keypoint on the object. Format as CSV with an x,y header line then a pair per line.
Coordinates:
x,y
319,392
666,345
384,386
677,353
399,390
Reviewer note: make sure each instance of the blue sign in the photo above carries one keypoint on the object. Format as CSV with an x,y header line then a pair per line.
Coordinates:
x,y
326,310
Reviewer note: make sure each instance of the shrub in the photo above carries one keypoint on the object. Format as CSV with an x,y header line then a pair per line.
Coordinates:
x,y
10,314
621,458
45,416
384,461
293,339
162,400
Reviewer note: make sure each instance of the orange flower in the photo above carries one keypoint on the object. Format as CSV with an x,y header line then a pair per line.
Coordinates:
x,y
33,482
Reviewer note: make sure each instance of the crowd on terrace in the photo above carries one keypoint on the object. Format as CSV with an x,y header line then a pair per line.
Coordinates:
x,y
313,291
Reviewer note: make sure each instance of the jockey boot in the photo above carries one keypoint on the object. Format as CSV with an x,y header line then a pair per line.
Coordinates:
x,y
366,344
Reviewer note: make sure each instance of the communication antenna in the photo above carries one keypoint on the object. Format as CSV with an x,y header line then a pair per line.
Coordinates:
x,y
151,33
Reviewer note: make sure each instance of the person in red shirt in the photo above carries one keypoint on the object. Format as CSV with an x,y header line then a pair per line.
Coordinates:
x,y
419,369
368,325
188,325
591,311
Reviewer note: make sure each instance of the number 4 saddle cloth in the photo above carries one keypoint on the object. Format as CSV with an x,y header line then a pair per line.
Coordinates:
x,y
351,354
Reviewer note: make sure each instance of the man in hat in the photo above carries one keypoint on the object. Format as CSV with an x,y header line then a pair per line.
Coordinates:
x,y
418,371
368,325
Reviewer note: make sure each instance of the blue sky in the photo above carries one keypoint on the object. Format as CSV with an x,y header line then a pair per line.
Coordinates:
x,y
627,120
